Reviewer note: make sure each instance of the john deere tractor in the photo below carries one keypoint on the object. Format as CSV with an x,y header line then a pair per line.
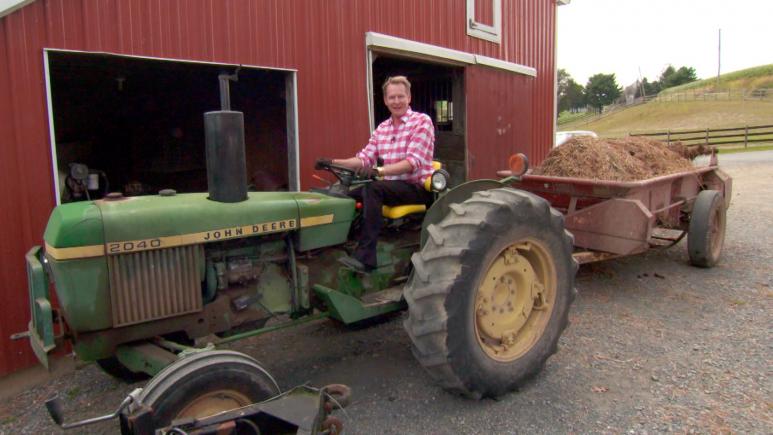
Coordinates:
x,y
486,274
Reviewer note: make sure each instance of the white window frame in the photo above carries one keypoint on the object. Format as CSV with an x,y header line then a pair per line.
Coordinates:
x,y
488,32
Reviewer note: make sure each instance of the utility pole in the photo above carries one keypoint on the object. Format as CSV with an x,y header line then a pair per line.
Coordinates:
x,y
719,57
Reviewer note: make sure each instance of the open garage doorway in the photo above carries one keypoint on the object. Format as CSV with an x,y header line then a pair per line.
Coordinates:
x,y
137,123
438,91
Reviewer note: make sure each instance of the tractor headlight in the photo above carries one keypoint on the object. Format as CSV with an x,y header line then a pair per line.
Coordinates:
x,y
440,180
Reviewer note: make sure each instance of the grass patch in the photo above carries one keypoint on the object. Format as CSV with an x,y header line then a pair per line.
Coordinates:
x,y
689,115
745,150
568,117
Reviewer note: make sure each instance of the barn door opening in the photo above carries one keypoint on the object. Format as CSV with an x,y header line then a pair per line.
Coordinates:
x,y
438,91
137,123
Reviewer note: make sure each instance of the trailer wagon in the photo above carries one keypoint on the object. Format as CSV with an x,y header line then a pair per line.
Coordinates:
x,y
616,218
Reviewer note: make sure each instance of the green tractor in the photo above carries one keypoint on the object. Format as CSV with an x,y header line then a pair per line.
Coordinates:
x,y
486,274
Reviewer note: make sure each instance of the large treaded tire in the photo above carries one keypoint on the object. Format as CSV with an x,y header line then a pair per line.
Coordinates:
x,y
204,384
706,233
448,272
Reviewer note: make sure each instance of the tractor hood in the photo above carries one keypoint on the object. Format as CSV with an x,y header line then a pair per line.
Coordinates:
x,y
115,226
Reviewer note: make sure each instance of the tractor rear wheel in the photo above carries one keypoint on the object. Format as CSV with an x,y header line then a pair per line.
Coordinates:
x,y
706,233
490,293
205,384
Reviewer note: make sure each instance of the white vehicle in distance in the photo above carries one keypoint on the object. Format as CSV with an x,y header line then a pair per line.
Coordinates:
x,y
563,136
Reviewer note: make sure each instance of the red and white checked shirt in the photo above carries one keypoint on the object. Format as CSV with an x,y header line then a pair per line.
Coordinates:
x,y
412,140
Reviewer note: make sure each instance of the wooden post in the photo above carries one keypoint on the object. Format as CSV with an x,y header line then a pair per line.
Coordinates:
x,y
746,136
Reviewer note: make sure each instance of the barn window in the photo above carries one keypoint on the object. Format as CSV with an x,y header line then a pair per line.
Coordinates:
x,y
444,112
484,19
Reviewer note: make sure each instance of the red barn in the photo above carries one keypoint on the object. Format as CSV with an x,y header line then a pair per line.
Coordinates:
x,y
121,86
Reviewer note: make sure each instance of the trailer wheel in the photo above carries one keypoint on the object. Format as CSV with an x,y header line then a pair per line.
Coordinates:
x,y
205,384
490,293
706,233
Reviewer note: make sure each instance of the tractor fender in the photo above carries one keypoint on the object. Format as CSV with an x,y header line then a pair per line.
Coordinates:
x,y
457,195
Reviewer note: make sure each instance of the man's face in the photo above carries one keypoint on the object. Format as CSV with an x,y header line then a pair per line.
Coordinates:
x,y
397,99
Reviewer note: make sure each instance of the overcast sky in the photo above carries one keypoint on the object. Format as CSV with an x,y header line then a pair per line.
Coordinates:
x,y
621,36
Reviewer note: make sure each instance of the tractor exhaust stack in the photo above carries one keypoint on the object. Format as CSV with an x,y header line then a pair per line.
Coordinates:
x,y
224,131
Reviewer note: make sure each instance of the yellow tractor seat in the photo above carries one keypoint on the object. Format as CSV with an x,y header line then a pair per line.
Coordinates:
x,y
398,211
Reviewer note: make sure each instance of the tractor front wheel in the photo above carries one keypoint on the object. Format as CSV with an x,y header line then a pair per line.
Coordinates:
x,y
490,293
205,384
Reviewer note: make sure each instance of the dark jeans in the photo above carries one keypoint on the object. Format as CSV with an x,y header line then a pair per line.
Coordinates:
x,y
372,196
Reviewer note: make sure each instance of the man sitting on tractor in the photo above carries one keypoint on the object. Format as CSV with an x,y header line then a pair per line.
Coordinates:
x,y
405,142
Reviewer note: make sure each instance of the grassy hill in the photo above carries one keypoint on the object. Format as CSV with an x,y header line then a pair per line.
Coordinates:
x,y
657,116
681,115
752,78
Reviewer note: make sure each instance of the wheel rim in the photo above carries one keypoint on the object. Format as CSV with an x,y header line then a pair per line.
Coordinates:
x,y
717,232
213,403
514,301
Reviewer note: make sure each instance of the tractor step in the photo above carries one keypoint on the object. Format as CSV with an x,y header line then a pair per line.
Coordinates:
x,y
350,309
386,296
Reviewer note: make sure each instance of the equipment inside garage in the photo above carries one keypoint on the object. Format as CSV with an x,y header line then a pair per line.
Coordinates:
x,y
134,125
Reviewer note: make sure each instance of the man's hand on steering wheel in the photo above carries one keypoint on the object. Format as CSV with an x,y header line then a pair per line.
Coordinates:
x,y
366,173
322,163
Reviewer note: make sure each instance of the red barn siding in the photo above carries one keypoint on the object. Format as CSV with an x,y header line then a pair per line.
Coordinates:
x,y
323,40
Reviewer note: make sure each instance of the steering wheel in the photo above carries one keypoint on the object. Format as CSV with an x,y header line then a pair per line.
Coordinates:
x,y
346,178
343,174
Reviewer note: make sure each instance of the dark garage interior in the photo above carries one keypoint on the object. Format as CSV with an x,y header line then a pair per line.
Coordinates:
x,y
137,123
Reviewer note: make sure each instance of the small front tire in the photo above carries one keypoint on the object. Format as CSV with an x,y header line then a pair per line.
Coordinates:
x,y
205,384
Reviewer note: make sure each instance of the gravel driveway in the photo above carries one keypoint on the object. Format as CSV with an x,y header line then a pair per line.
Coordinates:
x,y
654,346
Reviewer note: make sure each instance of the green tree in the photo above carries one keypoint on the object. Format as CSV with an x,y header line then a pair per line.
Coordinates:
x,y
575,95
561,88
649,88
570,93
684,75
671,77
665,77
601,90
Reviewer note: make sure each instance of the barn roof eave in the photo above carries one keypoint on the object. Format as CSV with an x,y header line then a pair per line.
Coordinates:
x,y
10,6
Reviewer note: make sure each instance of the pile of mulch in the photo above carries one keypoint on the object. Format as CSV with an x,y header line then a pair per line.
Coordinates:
x,y
626,159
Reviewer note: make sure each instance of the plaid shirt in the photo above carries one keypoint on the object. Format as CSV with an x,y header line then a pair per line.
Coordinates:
x,y
413,140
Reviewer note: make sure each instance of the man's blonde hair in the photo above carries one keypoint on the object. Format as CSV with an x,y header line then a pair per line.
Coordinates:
x,y
397,80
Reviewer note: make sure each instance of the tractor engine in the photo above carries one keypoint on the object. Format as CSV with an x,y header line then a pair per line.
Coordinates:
x,y
129,268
